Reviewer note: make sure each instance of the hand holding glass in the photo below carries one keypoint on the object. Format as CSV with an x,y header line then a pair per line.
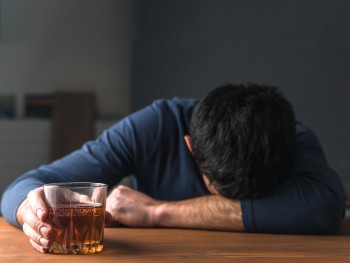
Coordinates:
x,y
77,215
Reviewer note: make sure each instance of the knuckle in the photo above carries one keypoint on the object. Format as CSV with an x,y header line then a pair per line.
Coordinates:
x,y
30,194
33,192
25,211
113,206
25,228
31,233
121,188
116,192
37,225
36,237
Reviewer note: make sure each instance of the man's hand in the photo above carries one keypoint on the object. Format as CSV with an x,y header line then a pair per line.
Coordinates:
x,y
130,208
135,209
31,215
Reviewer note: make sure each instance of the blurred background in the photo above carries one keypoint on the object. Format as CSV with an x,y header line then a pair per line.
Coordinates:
x,y
128,53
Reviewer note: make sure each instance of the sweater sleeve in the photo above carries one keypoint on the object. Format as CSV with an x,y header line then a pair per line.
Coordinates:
x,y
310,202
113,155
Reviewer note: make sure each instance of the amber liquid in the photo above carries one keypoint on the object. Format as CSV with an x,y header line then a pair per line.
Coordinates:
x,y
78,229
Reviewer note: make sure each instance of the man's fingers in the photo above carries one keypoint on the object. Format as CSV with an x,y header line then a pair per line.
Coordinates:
x,y
35,237
36,201
38,247
31,220
33,214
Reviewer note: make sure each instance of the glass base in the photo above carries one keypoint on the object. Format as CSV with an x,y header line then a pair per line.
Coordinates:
x,y
76,249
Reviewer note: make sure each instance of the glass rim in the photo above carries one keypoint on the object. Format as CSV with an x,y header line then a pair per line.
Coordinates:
x,y
74,185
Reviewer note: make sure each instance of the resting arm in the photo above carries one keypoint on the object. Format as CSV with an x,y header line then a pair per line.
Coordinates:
x,y
212,212
310,202
106,160
135,209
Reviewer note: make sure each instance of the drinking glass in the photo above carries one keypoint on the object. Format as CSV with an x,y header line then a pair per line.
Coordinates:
x,y
77,215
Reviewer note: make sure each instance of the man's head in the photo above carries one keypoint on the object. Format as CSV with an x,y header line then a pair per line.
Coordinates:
x,y
243,139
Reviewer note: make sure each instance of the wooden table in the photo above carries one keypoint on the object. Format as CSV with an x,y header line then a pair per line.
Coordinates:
x,y
176,245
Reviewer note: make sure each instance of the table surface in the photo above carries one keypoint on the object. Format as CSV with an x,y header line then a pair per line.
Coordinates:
x,y
177,245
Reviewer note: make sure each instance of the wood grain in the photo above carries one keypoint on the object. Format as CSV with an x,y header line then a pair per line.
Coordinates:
x,y
178,245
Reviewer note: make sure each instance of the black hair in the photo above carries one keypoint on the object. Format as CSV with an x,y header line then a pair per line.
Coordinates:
x,y
243,139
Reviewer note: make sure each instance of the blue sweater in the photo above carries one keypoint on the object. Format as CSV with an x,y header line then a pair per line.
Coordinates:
x,y
149,144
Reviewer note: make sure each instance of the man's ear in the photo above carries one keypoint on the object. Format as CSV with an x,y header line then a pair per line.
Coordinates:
x,y
210,185
188,141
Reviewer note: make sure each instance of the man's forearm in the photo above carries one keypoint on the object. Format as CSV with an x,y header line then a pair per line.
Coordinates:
x,y
209,212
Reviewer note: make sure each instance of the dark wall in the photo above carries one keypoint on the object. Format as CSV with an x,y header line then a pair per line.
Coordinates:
x,y
186,47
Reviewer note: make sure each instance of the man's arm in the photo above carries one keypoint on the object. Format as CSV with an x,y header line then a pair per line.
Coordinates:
x,y
135,209
212,212
113,155
310,202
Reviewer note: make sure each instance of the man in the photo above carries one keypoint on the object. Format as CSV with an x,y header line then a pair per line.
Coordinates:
x,y
234,161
